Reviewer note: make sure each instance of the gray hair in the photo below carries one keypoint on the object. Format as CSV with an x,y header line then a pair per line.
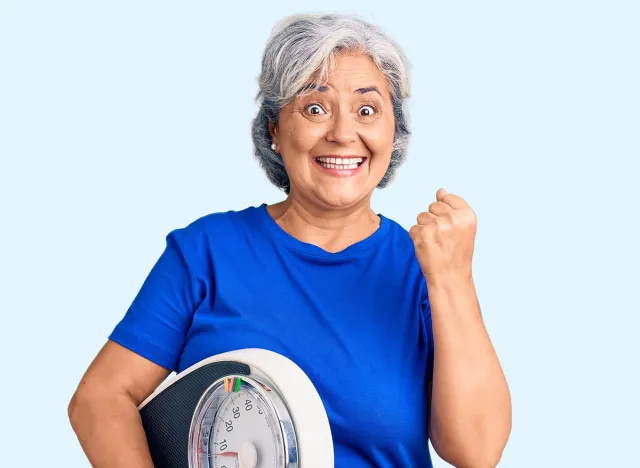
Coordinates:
x,y
305,45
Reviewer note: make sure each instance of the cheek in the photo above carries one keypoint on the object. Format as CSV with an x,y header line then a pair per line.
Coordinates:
x,y
379,137
302,137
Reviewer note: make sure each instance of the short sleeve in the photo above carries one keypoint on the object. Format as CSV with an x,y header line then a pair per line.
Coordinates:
x,y
156,324
425,306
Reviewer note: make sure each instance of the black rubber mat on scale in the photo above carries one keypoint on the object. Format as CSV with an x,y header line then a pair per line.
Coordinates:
x,y
167,417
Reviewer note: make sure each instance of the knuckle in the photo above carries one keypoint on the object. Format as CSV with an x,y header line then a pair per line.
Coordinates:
x,y
454,219
430,230
467,217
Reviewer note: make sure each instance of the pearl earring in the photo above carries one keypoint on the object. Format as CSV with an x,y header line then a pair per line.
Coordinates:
x,y
273,146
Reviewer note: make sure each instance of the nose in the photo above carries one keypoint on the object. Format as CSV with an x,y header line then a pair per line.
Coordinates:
x,y
342,128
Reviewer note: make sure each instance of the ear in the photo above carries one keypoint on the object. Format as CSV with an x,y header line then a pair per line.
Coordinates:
x,y
273,131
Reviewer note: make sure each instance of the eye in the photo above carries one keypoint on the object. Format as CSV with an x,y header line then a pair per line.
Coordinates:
x,y
366,111
315,109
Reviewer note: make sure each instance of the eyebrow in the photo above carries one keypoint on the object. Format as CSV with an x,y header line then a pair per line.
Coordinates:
x,y
323,89
311,86
368,90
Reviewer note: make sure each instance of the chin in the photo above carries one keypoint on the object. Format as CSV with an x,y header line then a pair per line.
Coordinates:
x,y
342,197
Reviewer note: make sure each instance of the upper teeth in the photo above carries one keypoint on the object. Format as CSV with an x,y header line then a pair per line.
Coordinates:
x,y
340,160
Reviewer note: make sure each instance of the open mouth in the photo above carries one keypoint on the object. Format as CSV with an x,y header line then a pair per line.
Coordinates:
x,y
344,164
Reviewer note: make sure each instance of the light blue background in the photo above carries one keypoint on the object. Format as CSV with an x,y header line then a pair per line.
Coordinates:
x,y
120,121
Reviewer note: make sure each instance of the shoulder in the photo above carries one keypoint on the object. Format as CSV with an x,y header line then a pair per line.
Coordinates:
x,y
217,224
198,240
402,250
399,237
398,247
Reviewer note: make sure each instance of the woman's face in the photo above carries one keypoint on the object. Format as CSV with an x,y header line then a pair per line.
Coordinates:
x,y
336,141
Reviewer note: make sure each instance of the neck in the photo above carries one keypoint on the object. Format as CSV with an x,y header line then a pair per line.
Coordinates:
x,y
331,229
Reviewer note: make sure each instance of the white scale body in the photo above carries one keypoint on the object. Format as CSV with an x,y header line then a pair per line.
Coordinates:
x,y
266,414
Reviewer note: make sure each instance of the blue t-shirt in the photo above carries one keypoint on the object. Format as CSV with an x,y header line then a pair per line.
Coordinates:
x,y
357,322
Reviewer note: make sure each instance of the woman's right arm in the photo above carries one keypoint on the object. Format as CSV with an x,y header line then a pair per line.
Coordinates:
x,y
104,409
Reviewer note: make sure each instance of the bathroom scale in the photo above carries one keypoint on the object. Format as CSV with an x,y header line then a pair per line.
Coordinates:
x,y
249,408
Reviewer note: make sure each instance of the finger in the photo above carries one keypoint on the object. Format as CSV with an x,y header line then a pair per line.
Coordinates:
x,y
413,232
439,208
426,218
454,201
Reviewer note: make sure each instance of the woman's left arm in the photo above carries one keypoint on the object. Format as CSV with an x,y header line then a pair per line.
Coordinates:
x,y
470,418
470,401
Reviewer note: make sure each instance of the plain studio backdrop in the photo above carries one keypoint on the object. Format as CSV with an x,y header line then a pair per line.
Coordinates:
x,y
121,121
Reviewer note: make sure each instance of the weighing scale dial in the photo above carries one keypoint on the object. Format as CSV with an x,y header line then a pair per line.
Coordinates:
x,y
242,422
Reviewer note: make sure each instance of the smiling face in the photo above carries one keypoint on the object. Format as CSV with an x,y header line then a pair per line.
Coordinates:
x,y
336,141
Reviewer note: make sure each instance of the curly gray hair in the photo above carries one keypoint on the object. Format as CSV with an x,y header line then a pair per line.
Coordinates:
x,y
303,46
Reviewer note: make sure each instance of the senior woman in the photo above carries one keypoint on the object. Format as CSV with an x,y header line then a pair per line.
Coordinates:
x,y
385,322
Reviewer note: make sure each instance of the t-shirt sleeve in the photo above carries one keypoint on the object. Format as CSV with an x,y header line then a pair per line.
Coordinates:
x,y
156,324
426,315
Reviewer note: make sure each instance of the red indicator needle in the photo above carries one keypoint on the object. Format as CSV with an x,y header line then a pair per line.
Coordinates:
x,y
227,454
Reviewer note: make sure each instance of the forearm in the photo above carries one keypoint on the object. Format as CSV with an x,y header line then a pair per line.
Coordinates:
x,y
471,404
110,431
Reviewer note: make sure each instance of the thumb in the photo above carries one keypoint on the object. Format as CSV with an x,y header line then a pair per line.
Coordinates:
x,y
440,194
